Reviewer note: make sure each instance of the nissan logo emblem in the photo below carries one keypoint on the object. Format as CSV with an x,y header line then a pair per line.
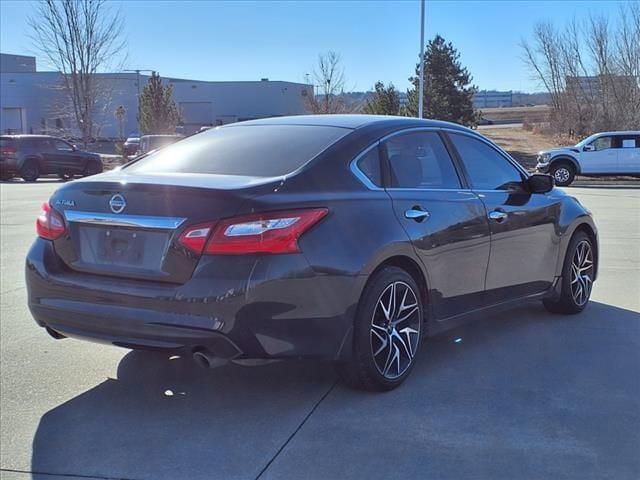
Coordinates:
x,y
117,203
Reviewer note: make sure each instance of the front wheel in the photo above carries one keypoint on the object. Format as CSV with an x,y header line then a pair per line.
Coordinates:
x,y
387,332
577,277
563,173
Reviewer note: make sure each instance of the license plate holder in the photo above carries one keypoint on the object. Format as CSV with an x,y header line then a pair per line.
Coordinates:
x,y
121,247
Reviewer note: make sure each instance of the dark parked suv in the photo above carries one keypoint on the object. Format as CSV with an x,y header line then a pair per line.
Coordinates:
x,y
30,156
344,238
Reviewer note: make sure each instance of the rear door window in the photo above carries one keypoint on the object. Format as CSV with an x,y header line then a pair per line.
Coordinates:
x,y
42,145
628,141
420,160
247,150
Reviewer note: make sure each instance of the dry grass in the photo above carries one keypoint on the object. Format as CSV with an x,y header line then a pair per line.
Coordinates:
x,y
109,162
522,144
537,113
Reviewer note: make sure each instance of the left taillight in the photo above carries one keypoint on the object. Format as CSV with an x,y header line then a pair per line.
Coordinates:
x,y
50,224
8,150
263,233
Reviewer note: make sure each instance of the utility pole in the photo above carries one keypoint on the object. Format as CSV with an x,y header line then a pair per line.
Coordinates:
x,y
421,91
326,96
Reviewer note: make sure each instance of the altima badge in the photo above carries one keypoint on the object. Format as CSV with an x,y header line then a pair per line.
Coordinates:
x,y
117,203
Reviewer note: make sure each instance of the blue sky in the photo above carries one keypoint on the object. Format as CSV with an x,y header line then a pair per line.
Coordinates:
x,y
377,40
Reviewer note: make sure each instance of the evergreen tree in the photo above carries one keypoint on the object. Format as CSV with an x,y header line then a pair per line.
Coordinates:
x,y
385,101
157,112
448,93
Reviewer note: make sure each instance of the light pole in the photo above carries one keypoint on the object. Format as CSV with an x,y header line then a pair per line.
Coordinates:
x,y
421,92
326,96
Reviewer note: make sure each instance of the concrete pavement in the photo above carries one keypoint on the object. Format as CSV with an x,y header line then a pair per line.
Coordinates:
x,y
523,394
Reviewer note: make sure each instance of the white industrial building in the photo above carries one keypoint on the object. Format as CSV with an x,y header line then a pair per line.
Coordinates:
x,y
31,101
492,99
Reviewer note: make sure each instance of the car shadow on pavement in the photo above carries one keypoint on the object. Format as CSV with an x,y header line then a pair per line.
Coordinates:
x,y
167,418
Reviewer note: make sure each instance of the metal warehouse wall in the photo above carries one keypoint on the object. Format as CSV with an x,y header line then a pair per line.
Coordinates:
x,y
38,97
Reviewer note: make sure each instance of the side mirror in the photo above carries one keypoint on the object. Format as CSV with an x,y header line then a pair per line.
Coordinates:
x,y
588,148
540,183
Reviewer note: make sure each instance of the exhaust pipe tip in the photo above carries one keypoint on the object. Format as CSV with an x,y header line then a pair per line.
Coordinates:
x,y
201,359
206,359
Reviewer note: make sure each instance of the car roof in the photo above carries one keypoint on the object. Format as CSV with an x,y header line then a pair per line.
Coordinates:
x,y
168,135
27,136
622,132
351,121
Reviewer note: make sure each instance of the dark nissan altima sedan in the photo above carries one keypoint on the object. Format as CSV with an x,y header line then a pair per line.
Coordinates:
x,y
342,238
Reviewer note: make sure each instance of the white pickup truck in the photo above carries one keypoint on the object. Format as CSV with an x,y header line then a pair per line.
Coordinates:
x,y
606,153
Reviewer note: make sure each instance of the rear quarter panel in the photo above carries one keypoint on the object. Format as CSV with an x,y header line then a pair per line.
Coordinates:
x,y
573,215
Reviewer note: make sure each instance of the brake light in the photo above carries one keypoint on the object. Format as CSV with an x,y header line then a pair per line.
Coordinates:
x,y
271,232
264,233
50,224
8,150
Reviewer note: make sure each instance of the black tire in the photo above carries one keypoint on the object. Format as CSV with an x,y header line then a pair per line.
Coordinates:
x,y
568,302
30,171
393,363
93,168
563,173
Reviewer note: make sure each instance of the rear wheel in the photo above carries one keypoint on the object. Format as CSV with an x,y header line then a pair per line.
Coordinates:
x,y
387,332
30,171
577,277
563,173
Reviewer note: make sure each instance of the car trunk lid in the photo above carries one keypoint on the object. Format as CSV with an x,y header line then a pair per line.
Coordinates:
x,y
128,225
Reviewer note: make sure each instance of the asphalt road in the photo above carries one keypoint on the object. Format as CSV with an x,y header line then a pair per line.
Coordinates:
x,y
521,395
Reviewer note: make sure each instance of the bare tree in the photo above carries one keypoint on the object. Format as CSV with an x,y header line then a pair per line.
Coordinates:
x,y
591,70
79,38
328,76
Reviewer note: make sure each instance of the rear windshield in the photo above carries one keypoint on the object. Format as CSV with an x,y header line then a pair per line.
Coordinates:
x,y
250,150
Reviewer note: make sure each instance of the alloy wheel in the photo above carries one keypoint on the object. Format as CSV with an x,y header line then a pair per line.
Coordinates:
x,y
562,175
395,330
582,273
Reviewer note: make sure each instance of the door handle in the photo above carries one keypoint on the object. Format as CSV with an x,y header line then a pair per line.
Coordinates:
x,y
498,216
417,214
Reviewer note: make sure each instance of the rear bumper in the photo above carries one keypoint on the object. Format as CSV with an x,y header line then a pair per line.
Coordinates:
x,y
237,307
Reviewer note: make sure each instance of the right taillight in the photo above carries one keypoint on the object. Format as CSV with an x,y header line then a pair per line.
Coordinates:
x,y
262,233
50,224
